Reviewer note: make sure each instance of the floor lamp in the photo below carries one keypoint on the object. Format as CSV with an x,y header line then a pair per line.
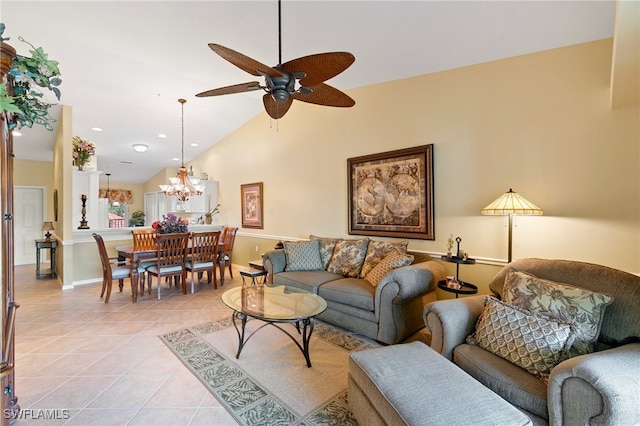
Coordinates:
x,y
511,203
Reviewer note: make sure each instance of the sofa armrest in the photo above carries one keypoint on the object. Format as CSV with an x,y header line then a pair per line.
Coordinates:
x,y
601,388
412,280
451,321
274,261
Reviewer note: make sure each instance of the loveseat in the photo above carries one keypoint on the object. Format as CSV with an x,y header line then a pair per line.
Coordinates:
x,y
601,386
374,288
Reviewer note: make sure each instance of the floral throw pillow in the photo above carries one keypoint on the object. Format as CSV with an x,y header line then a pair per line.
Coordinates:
x,y
582,307
534,342
377,250
326,248
302,255
348,256
389,262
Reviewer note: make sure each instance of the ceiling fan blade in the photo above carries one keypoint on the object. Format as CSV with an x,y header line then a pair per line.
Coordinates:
x,y
320,67
323,94
275,109
228,90
243,62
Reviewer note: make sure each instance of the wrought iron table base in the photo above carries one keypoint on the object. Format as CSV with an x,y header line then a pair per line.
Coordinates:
x,y
307,330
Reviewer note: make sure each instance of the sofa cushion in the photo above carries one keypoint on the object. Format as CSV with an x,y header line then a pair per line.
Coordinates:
x,y
584,308
302,255
348,256
534,342
377,250
326,248
305,280
389,262
349,291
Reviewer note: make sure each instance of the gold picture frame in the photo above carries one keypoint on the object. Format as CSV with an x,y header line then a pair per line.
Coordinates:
x,y
252,205
391,194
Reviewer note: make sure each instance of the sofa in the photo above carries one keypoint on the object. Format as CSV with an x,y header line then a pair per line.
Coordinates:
x,y
374,288
558,339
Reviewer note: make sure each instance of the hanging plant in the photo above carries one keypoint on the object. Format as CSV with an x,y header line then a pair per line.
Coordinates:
x,y
31,74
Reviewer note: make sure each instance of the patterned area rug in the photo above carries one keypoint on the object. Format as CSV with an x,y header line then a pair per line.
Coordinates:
x,y
270,383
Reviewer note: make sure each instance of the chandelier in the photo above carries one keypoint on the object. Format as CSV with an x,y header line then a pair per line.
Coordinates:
x,y
183,185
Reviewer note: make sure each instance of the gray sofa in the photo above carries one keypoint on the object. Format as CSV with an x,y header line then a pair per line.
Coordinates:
x,y
388,313
602,387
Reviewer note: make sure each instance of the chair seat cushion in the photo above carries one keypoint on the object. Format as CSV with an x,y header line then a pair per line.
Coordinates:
x,y
506,379
164,271
120,272
199,265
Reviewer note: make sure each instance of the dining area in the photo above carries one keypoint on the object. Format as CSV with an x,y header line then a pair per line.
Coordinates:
x,y
162,260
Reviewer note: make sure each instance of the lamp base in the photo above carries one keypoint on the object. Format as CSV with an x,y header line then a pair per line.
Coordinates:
x,y
47,236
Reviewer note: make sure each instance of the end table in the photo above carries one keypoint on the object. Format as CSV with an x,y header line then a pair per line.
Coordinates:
x,y
52,245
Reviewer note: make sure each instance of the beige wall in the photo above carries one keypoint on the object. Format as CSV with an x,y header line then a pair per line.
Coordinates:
x,y
540,124
36,173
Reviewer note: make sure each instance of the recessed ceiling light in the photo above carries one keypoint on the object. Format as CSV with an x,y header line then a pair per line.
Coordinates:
x,y
16,133
194,144
96,129
140,147
175,159
162,136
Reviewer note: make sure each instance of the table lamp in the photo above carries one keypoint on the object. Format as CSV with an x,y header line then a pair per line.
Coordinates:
x,y
48,226
511,203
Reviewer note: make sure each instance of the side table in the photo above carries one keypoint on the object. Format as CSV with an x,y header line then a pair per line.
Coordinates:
x,y
465,288
52,245
253,274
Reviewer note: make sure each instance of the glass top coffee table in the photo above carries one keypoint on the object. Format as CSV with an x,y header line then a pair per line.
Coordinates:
x,y
274,305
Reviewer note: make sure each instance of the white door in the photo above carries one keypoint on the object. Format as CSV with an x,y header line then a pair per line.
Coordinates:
x,y
28,218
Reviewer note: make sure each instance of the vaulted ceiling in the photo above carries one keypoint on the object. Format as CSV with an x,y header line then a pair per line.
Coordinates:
x,y
124,64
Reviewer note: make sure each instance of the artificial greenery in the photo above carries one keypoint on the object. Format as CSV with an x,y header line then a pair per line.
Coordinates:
x,y
31,75
215,211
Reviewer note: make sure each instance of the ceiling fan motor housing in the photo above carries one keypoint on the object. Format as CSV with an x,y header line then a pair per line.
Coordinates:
x,y
281,87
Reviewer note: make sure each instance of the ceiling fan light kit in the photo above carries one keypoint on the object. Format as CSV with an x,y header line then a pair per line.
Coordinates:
x,y
301,79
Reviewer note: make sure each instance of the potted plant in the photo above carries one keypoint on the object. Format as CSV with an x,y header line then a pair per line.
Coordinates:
x,y
208,216
137,218
30,75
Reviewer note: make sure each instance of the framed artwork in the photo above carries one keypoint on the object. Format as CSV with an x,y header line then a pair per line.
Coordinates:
x,y
251,199
391,194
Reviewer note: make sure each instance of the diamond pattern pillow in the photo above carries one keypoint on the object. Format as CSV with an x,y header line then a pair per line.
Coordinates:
x,y
377,250
302,255
348,256
584,308
534,342
389,262
326,248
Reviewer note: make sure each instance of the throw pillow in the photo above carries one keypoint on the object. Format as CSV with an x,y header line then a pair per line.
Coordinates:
x,y
326,248
584,308
534,342
348,256
302,255
389,262
377,250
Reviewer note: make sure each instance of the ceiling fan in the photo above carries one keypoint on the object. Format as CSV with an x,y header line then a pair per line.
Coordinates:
x,y
302,79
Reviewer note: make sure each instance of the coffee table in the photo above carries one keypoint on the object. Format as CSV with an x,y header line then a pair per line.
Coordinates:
x,y
274,305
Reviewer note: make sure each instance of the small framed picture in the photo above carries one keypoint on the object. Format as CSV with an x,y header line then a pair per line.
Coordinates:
x,y
252,205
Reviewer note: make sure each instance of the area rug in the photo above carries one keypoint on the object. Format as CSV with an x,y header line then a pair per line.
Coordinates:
x,y
270,383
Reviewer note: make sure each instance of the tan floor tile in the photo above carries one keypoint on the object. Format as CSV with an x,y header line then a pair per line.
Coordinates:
x,y
129,391
181,390
102,417
163,416
212,416
76,392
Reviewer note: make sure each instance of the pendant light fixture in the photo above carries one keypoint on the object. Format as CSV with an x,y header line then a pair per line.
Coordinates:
x,y
183,186
108,193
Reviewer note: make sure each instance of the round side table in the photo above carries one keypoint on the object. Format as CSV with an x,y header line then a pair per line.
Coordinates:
x,y
466,288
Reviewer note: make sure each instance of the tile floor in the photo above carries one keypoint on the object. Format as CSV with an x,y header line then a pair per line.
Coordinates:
x,y
104,364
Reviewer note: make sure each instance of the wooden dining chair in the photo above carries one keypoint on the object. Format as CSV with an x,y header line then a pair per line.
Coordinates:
x,y
112,269
171,261
204,253
144,240
228,240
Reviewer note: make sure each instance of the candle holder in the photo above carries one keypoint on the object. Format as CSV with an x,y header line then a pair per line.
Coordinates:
x,y
83,222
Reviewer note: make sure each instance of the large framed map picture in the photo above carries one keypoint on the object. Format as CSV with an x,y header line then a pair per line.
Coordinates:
x,y
391,194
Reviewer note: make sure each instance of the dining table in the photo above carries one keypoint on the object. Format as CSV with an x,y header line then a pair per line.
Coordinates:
x,y
136,256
